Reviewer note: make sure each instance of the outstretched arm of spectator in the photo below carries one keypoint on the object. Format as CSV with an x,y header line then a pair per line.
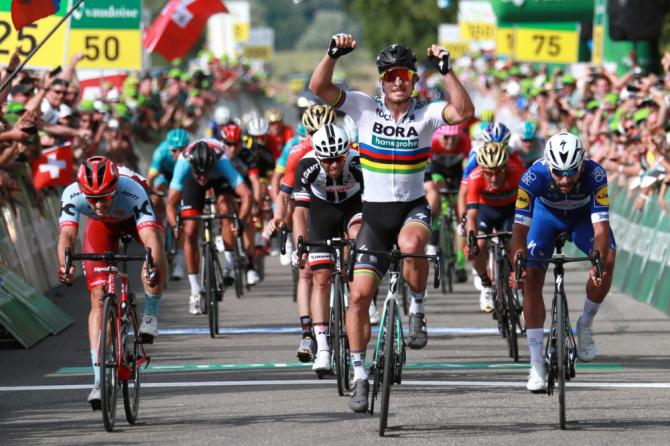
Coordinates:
x,y
70,70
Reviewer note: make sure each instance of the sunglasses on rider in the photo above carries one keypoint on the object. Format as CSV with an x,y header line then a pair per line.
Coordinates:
x,y
403,74
330,161
494,172
564,173
103,198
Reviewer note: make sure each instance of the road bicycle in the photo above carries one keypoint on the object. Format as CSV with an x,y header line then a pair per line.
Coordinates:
x,y
212,279
560,353
120,355
447,238
507,303
339,302
295,276
389,354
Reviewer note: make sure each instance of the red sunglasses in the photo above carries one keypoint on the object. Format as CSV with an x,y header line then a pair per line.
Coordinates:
x,y
103,198
403,74
332,160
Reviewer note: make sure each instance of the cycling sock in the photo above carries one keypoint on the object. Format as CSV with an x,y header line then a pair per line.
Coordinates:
x,y
590,310
321,332
417,302
535,344
96,369
358,360
460,259
195,283
486,280
306,324
228,257
151,304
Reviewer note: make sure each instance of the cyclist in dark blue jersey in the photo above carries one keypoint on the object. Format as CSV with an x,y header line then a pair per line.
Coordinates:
x,y
561,192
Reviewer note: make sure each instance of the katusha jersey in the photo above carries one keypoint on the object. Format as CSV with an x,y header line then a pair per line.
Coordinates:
x,y
312,179
130,202
393,154
538,190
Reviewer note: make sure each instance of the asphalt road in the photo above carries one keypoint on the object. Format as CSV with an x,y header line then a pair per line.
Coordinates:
x,y
246,387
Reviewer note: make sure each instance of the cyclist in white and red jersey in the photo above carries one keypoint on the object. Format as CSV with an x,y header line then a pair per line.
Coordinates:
x,y
115,201
395,134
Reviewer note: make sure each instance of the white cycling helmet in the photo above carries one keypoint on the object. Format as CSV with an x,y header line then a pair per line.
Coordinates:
x,y
222,115
564,151
257,125
330,141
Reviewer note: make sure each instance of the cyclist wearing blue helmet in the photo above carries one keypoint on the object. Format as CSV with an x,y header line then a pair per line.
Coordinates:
x,y
526,143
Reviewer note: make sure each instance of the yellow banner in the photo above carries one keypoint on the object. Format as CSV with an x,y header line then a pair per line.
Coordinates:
x,y
456,49
544,45
27,38
598,43
262,52
477,31
107,48
241,32
505,41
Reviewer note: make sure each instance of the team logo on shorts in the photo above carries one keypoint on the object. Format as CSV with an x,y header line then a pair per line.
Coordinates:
x,y
522,199
602,197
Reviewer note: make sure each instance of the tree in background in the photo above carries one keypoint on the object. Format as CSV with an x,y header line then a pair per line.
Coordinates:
x,y
411,22
322,28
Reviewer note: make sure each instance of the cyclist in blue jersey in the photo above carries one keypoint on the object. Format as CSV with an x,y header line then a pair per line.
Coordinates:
x,y
561,192
395,133
162,165
201,166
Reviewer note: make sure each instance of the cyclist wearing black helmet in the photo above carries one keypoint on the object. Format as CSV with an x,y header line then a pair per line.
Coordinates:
x,y
201,166
394,143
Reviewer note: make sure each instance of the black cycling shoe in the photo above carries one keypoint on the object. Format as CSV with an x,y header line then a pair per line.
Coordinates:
x,y
358,402
418,334
461,276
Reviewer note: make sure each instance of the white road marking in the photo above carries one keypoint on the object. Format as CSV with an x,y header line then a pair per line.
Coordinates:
x,y
310,382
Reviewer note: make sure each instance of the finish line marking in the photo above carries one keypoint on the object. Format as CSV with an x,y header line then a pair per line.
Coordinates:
x,y
332,382
300,365
297,330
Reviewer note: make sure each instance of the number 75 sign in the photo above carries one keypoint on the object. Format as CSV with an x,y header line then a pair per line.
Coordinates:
x,y
550,43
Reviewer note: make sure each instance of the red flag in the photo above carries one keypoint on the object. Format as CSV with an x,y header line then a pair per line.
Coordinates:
x,y
25,12
54,167
177,28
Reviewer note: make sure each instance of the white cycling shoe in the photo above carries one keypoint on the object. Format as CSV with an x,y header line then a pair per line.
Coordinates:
x,y
252,277
179,266
322,362
477,281
537,377
586,345
194,304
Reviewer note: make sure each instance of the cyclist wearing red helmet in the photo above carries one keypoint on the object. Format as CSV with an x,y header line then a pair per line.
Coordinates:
x,y
114,204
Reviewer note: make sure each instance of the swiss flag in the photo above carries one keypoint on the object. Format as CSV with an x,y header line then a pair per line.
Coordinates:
x,y
181,22
54,167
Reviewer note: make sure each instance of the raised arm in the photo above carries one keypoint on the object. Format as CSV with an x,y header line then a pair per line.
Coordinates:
x,y
321,83
460,107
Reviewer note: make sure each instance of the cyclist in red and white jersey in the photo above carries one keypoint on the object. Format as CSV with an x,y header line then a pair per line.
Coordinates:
x,y
395,134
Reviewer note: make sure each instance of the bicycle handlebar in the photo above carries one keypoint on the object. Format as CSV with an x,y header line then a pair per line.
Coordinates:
x,y
472,239
207,217
283,238
396,255
109,257
595,259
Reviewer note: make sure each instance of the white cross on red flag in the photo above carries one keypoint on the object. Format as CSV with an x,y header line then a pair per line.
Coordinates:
x,y
54,167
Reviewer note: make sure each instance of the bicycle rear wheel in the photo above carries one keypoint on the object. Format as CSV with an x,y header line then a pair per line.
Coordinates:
x,y
239,273
561,351
388,372
109,357
131,387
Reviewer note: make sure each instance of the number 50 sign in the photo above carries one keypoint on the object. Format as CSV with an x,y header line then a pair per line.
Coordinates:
x,y
558,44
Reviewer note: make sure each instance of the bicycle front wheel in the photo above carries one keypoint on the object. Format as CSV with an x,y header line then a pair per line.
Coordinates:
x,y
561,351
340,341
131,387
109,359
389,360
210,292
512,324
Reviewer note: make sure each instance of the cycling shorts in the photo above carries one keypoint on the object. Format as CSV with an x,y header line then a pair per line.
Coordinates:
x,y
100,237
193,194
498,218
546,226
450,176
327,220
381,225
